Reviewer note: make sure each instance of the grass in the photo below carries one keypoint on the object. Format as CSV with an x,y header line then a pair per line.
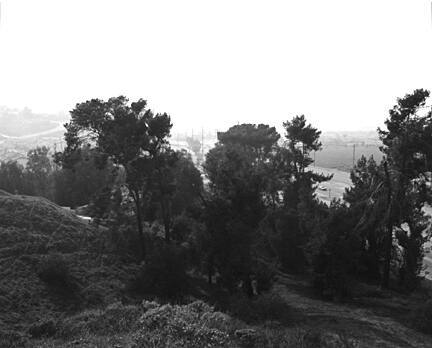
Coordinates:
x,y
341,156
45,253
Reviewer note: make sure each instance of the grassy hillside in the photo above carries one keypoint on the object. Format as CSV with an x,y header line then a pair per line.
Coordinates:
x,y
50,263
60,286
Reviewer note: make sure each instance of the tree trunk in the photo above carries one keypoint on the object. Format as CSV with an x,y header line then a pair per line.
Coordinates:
x,y
136,198
389,232
210,269
166,215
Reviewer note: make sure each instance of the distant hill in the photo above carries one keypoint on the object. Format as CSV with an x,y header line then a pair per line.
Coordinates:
x,y
17,123
350,137
23,130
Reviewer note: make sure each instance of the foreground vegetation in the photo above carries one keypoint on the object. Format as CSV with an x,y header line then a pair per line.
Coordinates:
x,y
63,283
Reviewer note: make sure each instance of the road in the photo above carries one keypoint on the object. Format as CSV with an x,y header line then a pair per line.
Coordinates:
x,y
334,188
59,127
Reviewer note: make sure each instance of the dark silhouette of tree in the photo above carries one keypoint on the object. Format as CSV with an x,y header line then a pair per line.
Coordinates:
x,y
39,170
367,199
339,256
259,138
236,168
12,178
297,219
407,145
130,135
301,140
175,186
188,185
86,181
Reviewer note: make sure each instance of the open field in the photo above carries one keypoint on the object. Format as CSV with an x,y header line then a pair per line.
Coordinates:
x,y
341,156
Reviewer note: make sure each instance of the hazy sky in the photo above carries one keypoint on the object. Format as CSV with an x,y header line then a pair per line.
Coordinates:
x,y
342,63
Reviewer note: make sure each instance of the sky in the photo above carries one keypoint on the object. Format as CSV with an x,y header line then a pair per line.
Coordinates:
x,y
212,64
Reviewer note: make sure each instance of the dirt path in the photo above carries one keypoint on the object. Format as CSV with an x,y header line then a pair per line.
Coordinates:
x,y
362,324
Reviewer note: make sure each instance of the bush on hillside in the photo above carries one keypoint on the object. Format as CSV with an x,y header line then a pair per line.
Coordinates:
x,y
194,325
264,275
163,275
46,328
54,271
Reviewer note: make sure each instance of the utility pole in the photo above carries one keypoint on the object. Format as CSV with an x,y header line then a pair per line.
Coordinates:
x,y
202,142
55,151
353,155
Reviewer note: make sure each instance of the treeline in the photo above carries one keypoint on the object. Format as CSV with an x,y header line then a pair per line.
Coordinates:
x,y
258,212
41,176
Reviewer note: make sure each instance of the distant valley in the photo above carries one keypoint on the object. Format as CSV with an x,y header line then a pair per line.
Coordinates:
x,y
22,130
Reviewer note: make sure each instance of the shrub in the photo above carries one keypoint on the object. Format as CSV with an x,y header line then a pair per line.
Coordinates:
x,y
264,275
54,270
290,244
192,325
337,259
164,274
43,329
